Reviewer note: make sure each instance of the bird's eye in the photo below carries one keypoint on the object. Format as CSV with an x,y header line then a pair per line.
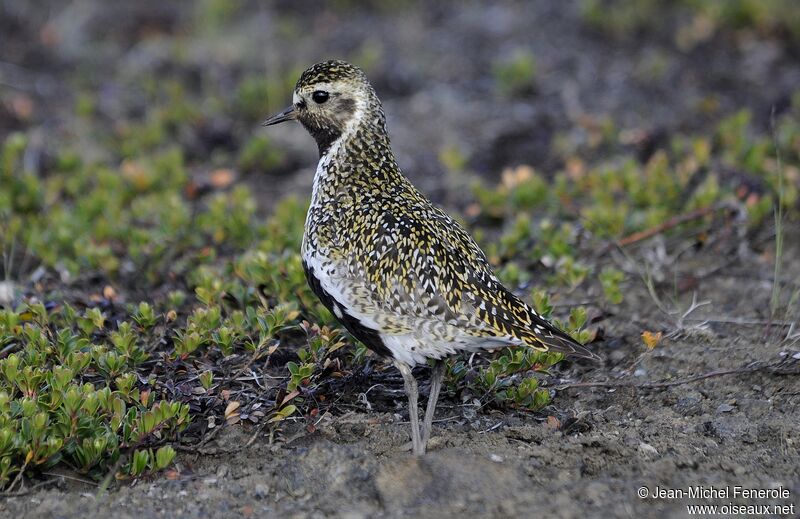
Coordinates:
x,y
320,96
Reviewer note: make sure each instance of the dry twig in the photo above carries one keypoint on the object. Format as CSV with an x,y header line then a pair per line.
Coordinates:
x,y
672,223
750,368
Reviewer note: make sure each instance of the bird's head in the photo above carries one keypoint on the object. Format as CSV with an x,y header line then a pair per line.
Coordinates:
x,y
330,99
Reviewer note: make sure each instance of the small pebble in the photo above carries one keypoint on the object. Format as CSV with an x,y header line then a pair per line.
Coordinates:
x,y
6,292
261,490
649,450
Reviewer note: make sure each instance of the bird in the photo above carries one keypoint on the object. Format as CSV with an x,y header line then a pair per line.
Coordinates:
x,y
396,271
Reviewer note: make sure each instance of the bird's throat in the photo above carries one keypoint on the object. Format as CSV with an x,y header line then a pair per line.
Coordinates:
x,y
324,137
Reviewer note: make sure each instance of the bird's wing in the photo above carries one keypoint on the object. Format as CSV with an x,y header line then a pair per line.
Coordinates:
x,y
423,269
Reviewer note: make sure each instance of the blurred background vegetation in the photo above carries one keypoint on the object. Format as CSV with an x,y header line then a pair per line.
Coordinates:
x,y
150,228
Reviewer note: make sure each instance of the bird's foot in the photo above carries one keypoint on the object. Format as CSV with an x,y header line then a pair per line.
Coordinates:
x,y
409,447
433,443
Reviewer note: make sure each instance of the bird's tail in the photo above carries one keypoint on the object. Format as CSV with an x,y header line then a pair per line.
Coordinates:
x,y
563,343
541,334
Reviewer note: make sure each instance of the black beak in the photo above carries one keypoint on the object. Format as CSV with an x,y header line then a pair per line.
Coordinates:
x,y
287,115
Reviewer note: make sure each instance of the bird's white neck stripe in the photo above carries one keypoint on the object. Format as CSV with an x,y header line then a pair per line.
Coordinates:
x,y
349,131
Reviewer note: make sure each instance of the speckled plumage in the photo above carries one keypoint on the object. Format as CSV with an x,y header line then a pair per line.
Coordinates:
x,y
403,276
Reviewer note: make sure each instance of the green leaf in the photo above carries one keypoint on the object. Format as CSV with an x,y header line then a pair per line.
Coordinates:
x,y
285,412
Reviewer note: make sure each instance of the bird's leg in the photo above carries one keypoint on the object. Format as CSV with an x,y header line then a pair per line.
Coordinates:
x,y
418,448
437,375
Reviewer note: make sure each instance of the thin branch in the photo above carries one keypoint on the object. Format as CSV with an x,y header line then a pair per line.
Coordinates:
x,y
71,478
776,286
750,368
18,479
264,423
742,321
694,306
30,489
206,451
671,223
101,489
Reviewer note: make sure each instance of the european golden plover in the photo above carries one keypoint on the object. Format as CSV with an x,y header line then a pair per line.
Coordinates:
x,y
401,275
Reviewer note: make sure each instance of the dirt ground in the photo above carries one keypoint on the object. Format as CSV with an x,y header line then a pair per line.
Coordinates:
x,y
737,429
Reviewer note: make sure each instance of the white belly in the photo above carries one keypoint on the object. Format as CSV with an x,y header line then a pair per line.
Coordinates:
x,y
410,339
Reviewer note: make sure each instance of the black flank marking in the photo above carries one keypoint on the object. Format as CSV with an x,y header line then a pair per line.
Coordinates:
x,y
371,338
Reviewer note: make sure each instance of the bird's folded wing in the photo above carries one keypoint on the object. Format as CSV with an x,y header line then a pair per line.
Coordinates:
x,y
425,273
